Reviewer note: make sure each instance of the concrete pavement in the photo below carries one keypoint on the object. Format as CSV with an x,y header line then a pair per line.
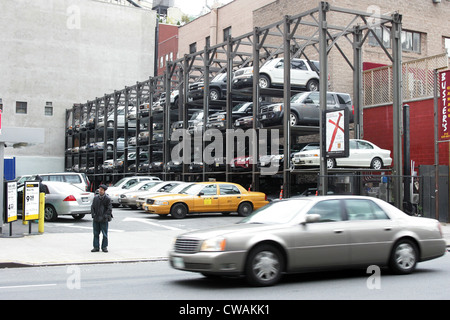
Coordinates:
x,y
75,248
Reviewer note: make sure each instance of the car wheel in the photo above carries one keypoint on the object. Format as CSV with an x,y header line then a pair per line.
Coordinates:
x,y
78,216
331,163
404,257
50,213
376,164
214,94
293,120
264,81
245,209
312,85
264,266
179,211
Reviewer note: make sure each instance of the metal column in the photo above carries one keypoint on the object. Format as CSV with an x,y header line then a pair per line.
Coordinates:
x,y
323,87
397,108
287,106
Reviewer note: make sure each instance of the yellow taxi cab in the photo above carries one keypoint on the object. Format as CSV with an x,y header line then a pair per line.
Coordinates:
x,y
207,197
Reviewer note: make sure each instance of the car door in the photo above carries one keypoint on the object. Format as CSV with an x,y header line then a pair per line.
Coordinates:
x,y
207,200
360,155
229,197
350,160
277,73
371,232
311,110
324,243
299,73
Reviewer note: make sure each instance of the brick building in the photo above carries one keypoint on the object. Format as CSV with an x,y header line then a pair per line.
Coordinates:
x,y
423,36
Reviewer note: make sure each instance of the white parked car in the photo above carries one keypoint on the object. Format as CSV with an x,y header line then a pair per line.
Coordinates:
x,y
123,184
363,154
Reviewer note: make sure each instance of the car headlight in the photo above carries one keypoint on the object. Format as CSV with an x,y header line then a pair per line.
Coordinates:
x,y
214,244
161,203
277,108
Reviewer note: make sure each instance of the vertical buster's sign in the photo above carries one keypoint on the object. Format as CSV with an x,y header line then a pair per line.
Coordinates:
x,y
444,105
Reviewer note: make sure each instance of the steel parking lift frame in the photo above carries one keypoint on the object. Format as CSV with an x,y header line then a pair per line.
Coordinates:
x,y
312,34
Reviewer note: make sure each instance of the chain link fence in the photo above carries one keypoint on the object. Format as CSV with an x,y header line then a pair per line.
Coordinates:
x,y
417,76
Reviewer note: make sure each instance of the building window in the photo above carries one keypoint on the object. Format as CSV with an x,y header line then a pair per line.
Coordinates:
x,y
193,47
383,34
48,109
447,46
208,41
411,41
21,107
226,33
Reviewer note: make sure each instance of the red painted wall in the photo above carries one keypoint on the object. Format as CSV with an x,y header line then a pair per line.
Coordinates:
x,y
167,45
378,129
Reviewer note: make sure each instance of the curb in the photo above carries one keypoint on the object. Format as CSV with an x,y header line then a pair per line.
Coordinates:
x,y
4,265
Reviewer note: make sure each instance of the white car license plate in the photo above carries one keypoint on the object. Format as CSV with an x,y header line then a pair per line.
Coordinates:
x,y
178,262
84,199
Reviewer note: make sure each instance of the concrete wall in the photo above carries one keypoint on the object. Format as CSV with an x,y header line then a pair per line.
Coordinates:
x,y
66,52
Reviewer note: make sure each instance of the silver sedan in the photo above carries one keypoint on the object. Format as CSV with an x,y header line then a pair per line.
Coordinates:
x,y
308,234
63,198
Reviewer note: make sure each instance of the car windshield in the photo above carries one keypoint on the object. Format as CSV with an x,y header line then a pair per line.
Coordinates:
x,y
120,182
149,185
219,78
193,190
241,107
277,212
299,97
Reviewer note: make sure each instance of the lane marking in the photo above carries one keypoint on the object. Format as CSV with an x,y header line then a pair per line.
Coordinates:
x,y
151,223
30,286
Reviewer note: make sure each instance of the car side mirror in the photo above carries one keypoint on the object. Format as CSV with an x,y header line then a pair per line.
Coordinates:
x,y
200,193
311,218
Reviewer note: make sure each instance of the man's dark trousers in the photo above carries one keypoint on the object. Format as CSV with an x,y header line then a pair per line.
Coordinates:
x,y
103,227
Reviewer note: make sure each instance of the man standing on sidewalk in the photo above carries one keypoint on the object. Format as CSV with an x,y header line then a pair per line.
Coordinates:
x,y
101,211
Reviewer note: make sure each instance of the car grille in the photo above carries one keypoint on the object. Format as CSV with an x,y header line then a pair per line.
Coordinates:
x,y
183,245
150,201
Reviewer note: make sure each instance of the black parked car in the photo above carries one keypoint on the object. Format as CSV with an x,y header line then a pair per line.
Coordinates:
x,y
217,89
305,108
218,120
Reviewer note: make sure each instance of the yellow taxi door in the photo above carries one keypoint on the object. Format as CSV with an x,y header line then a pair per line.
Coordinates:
x,y
229,198
207,200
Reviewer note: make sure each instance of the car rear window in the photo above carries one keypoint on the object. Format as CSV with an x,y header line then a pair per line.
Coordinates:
x,y
72,179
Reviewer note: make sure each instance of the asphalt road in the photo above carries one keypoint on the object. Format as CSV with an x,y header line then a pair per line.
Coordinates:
x,y
126,219
158,281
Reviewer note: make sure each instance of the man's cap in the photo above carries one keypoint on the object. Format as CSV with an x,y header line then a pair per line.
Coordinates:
x,y
103,186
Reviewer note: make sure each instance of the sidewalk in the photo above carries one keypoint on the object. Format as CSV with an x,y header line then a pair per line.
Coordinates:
x,y
75,248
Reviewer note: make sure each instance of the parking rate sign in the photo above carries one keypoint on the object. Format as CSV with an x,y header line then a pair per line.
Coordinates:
x,y
444,105
31,201
11,202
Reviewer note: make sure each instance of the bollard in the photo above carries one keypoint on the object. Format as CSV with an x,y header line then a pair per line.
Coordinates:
x,y
41,212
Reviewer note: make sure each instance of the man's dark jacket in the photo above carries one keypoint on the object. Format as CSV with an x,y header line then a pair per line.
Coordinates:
x,y
101,209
